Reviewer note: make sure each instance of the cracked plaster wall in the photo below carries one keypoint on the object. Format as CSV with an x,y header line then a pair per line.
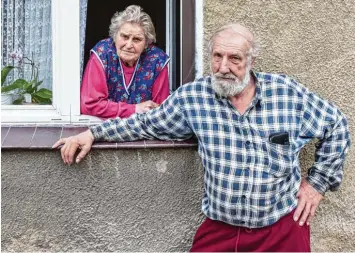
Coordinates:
x,y
313,41
115,200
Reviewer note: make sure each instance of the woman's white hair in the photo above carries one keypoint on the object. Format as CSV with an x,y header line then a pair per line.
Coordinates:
x,y
133,14
241,30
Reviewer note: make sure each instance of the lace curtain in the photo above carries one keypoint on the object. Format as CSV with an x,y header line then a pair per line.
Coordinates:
x,y
27,29
83,11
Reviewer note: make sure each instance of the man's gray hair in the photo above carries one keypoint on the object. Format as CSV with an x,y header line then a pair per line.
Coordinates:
x,y
133,14
241,30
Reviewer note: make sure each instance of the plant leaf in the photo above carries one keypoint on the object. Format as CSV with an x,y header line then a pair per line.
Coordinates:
x,y
40,100
46,102
10,87
4,72
18,84
21,82
26,86
18,101
44,93
38,84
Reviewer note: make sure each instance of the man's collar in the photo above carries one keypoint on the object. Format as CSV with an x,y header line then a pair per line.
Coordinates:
x,y
258,90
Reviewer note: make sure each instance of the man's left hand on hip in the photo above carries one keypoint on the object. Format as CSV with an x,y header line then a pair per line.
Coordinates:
x,y
308,201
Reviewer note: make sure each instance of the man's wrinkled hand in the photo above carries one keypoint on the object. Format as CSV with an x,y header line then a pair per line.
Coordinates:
x,y
146,106
308,201
82,141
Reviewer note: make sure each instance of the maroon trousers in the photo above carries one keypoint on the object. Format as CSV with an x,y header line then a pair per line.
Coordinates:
x,y
283,236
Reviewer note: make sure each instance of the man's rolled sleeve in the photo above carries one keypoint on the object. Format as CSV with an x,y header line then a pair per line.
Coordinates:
x,y
166,122
327,123
98,131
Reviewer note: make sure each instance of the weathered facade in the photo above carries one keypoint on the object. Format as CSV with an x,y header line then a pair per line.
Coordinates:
x,y
115,200
149,199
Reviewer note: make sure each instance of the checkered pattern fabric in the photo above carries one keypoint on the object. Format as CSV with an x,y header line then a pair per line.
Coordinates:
x,y
248,180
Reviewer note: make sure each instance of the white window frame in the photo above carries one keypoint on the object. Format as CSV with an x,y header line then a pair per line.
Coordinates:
x,y
199,38
65,108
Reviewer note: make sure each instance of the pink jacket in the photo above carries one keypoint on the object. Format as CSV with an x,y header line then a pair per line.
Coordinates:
x,y
94,94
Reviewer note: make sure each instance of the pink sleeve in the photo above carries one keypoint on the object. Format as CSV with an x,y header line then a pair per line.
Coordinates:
x,y
160,89
94,94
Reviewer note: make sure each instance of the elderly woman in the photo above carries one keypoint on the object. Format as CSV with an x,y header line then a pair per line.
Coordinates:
x,y
126,73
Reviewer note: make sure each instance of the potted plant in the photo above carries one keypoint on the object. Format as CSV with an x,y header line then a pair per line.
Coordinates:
x,y
26,91
6,91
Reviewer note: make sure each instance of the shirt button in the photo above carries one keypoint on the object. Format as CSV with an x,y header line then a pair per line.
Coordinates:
x,y
247,143
243,198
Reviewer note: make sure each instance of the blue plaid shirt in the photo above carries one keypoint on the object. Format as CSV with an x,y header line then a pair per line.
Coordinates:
x,y
248,181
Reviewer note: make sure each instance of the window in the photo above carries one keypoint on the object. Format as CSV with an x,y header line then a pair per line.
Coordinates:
x,y
65,52
65,65
27,45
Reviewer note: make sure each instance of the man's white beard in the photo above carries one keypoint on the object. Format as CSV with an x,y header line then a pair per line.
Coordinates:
x,y
229,88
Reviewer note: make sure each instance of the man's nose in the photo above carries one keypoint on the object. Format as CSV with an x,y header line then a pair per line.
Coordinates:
x,y
224,67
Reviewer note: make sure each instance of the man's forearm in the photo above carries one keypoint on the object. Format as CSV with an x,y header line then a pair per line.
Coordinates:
x,y
116,130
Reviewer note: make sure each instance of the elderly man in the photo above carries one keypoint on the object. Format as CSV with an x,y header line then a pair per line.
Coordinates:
x,y
250,128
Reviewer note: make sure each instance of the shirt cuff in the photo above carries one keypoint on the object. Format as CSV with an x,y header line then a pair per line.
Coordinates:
x,y
97,132
318,183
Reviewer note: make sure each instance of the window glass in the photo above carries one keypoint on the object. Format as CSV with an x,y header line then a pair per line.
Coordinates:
x,y
26,52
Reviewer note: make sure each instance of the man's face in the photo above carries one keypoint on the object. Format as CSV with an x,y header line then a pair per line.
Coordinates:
x,y
230,64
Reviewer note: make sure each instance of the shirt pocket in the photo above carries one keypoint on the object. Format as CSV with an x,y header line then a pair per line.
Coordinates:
x,y
278,158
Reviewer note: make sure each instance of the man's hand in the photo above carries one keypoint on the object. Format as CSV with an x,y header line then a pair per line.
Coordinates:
x,y
146,106
308,201
82,141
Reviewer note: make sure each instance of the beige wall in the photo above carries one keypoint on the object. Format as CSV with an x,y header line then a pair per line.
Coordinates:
x,y
124,200
313,41
149,200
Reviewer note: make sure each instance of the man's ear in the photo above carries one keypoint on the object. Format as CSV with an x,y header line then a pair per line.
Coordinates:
x,y
252,62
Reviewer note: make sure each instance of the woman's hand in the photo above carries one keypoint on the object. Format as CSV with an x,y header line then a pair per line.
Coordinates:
x,y
82,141
145,106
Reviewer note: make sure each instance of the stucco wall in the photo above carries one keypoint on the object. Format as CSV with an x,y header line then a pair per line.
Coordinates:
x,y
145,200
313,41
115,200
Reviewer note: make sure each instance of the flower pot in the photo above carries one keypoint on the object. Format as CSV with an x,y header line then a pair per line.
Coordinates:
x,y
6,99
28,98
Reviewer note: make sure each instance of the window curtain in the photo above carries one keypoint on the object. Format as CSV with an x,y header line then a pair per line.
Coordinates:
x,y
27,31
83,12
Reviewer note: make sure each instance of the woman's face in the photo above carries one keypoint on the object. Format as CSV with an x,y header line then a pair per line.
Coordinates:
x,y
130,43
